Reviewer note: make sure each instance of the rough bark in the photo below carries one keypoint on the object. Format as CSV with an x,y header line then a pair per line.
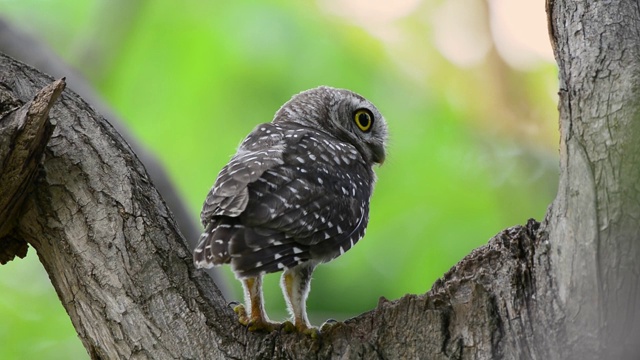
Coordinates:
x,y
26,131
564,289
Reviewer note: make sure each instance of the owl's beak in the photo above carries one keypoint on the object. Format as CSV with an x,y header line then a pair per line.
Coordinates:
x,y
378,153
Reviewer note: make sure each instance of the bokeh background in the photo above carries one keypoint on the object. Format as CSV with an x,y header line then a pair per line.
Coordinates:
x,y
468,88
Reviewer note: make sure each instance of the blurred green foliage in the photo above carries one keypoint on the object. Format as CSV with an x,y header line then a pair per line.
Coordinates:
x,y
193,78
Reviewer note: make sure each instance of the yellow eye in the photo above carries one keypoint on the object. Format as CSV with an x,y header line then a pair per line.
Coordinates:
x,y
363,119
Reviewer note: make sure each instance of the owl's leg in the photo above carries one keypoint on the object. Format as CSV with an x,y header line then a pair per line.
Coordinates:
x,y
256,319
295,285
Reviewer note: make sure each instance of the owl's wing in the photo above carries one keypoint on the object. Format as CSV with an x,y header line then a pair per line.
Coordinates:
x,y
259,152
306,212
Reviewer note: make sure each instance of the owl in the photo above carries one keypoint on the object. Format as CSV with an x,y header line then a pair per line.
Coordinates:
x,y
295,195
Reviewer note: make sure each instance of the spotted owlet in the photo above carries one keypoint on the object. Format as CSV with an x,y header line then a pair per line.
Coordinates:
x,y
296,194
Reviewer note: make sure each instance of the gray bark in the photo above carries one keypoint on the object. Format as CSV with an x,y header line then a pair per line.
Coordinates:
x,y
566,288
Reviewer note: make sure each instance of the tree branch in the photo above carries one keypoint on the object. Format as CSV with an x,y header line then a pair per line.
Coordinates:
x,y
125,275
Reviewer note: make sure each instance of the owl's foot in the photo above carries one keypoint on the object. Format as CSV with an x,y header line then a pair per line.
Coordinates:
x,y
257,323
288,327
242,314
310,331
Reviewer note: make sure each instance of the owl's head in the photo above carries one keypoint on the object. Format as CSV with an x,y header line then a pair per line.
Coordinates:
x,y
343,114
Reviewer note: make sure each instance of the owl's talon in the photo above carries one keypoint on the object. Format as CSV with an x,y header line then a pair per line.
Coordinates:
x,y
233,304
327,325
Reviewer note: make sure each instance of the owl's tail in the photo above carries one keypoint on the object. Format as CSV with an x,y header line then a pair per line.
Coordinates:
x,y
213,247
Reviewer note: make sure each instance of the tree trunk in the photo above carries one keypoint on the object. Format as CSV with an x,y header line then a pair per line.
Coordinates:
x,y
594,222
566,288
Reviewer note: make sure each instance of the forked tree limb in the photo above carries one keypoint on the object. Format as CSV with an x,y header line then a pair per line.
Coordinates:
x,y
126,278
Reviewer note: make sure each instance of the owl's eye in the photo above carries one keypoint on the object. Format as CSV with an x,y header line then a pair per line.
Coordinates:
x,y
363,119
